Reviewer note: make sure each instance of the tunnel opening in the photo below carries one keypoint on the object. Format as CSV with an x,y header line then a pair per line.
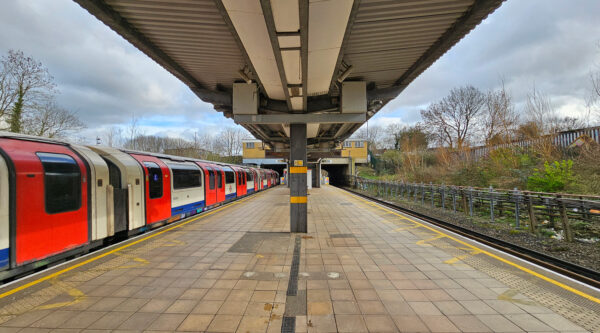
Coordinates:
x,y
276,167
336,173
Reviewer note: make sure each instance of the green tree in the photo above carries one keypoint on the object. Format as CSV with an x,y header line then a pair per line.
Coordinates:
x,y
555,177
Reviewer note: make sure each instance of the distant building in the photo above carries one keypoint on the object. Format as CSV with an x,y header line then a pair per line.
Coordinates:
x,y
256,152
357,149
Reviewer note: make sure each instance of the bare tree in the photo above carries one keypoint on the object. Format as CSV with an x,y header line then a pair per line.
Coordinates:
x,y
7,90
132,131
51,121
229,141
499,118
374,135
28,81
452,120
540,110
113,136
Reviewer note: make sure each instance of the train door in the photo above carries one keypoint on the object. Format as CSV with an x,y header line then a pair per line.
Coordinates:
x,y
230,183
120,197
249,181
51,194
220,184
210,187
157,186
239,177
4,215
256,180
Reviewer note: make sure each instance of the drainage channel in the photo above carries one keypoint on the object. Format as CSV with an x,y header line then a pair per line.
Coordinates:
x,y
295,303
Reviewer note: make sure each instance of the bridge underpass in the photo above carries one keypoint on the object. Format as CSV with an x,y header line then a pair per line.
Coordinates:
x,y
296,74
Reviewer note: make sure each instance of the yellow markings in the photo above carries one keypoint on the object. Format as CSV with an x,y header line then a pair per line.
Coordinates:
x,y
77,295
509,297
115,250
506,261
139,262
424,242
407,228
298,169
260,256
461,257
298,200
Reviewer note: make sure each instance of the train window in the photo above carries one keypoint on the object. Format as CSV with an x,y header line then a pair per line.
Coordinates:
x,y
155,187
219,179
62,182
229,177
250,177
211,179
185,176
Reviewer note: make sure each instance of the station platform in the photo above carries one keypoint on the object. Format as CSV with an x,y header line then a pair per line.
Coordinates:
x,y
360,268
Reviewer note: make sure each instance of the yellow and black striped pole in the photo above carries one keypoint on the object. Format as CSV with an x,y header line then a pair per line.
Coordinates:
x,y
297,176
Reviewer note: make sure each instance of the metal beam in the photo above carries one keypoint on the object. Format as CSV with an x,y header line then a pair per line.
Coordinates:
x,y
303,10
349,26
270,22
301,118
238,41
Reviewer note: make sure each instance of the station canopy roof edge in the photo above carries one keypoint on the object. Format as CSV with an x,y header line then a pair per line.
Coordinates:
x,y
331,64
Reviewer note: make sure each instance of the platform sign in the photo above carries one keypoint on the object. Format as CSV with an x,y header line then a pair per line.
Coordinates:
x,y
298,162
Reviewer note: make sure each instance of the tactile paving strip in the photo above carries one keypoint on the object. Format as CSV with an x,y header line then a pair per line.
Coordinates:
x,y
64,290
577,309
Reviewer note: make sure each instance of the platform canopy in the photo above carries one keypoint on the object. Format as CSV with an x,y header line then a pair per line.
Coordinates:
x,y
331,64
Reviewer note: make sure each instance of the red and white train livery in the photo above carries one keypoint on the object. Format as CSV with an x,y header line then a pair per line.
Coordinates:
x,y
59,199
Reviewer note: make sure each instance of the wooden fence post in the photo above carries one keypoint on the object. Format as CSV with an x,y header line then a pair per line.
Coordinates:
x,y
532,219
470,201
492,203
464,200
517,212
565,219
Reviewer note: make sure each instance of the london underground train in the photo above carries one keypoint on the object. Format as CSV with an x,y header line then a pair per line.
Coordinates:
x,y
59,200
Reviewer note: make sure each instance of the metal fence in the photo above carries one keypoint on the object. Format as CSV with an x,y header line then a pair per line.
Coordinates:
x,y
566,213
561,140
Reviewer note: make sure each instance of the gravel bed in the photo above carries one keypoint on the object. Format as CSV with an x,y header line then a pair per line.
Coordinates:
x,y
580,253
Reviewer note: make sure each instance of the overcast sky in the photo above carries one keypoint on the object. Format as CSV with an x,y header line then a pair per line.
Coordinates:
x,y
550,44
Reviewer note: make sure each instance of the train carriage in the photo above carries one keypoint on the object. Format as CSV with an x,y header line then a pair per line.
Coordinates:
x,y
187,188
59,199
50,208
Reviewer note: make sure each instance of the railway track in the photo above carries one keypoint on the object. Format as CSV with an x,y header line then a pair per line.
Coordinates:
x,y
571,270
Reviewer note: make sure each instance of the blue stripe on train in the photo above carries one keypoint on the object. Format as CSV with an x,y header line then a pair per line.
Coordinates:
x,y
3,258
250,190
195,207
230,196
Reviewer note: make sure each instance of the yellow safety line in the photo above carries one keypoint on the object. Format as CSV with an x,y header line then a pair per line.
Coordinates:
x,y
85,262
506,261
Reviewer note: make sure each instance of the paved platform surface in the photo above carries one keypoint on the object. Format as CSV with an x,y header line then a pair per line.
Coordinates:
x,y
361,267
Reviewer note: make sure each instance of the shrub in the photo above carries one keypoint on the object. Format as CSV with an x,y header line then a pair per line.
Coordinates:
x,y
555,177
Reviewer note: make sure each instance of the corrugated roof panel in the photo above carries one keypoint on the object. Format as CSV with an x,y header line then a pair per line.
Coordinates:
x,y
388,37
191,32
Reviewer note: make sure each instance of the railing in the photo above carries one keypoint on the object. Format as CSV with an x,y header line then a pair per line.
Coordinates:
x,y
567,213
561,140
